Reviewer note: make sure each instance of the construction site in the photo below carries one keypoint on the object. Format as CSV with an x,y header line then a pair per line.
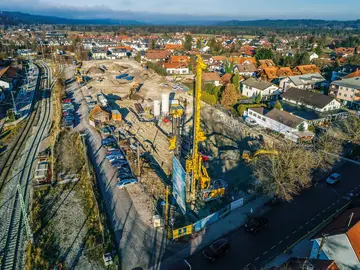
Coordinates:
x,y
192,162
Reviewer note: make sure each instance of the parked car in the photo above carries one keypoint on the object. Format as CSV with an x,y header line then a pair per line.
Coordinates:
x,y
114,151
113,158
333,179
250,122
255,224
124,175
125,183
216,249
119,164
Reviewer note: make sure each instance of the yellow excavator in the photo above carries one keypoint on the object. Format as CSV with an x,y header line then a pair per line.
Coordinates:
x,y
248,156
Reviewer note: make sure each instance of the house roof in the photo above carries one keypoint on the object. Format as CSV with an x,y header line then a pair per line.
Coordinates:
x,y
285,118
173,46
307,97
258,84
306,78
219,58
267,63
354,74
157,54
306,69
269,73
226,78
284,71
175,65
3,71
210,76
246,67
344,50
96,110
180,58
352,82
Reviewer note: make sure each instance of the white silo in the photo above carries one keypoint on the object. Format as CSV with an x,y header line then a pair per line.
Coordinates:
x,y
157,105
165,103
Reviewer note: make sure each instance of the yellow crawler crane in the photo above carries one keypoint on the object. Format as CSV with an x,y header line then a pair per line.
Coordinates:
x,y
248,156
194,166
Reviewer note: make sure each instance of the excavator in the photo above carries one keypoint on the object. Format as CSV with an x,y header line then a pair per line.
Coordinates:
x,y
248,156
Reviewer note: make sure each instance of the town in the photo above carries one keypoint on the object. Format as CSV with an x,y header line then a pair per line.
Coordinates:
x,y
179,147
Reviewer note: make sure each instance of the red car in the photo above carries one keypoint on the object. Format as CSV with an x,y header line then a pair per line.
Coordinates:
x,y
66,100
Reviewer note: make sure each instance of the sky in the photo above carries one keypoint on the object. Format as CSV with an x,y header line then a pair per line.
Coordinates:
x,y
150,10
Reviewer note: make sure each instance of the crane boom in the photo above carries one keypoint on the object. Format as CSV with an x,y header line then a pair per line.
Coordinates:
x,y
194,164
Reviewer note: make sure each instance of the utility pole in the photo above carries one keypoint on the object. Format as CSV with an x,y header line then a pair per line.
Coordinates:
x,y
350,219
138,161
14,104
321,244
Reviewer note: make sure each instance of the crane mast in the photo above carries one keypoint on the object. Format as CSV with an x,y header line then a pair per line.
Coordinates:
x,y
194,167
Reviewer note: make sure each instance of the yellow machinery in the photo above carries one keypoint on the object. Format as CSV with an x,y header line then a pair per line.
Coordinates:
x,y
248,156
194,166
176,112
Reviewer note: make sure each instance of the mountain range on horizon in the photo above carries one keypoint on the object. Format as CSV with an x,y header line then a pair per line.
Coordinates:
x,y
14,18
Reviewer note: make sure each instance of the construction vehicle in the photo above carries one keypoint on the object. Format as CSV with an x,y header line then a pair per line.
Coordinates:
x,y
248,156
199,178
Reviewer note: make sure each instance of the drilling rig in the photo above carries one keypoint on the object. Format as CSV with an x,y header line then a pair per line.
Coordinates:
x,y
199,178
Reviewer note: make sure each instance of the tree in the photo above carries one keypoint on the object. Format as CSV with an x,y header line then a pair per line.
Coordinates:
x,y
241,109
229,67
347,130
278,105
198,43
301,127
229,96
188,42
263,53
258,98
236,82
318,51
138,57
153,45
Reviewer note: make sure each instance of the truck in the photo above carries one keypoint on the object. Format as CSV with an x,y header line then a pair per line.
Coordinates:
x,y
102,100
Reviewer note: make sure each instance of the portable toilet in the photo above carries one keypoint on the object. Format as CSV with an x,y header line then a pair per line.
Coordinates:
x,y
116,115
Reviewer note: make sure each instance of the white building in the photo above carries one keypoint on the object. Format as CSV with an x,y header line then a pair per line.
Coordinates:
x,y
118,53
291,126
313,56
311,100
305,81
176,68
99,53
252,87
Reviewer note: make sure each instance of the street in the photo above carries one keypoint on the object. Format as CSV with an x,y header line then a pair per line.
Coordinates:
x,y
287,224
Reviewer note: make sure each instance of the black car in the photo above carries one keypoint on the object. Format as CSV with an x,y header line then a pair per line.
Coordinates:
x,y
255,224
218,248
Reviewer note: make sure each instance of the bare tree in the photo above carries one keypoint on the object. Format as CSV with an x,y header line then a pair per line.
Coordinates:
x,y
347,130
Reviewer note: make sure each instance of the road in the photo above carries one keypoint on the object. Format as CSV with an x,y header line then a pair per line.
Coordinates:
x,y
287,224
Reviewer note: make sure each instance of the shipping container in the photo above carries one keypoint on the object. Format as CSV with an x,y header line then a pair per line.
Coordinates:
x,y
116,115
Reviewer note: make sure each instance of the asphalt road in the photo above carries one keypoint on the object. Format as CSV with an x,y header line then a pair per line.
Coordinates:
x,y
287,224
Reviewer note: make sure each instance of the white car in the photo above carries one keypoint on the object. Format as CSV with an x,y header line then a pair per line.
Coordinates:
x,y
333,179
251,122
126,182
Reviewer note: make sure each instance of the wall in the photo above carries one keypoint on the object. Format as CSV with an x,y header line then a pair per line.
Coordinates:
x,y
254,91
333,105
6,85
346,93
177,71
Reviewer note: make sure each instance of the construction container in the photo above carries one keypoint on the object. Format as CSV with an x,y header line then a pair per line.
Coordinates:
x,y
157,106
122,76
129,78
116,115
165,103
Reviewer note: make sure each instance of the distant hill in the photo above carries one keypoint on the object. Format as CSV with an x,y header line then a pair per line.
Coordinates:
x,y
13,18
292,23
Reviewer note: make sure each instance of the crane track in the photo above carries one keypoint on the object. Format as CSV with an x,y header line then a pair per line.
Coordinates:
x,y
13,249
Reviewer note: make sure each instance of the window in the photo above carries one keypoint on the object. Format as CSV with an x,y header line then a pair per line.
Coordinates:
x,y
339,94
263,118
250,112
345,95
353,90
347,89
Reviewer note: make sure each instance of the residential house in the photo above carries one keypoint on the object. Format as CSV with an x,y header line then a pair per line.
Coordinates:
x,y
266,63
156,55
26,52
179,59
340,240
309,264
226,78
2,94
291,126
246,70
353,74
311,100
313,56
99,53
268,73
176,68
306,81
98,115
347,90
253,87
118,52
8,77
344,52
173,47
305,69
284,71
211,77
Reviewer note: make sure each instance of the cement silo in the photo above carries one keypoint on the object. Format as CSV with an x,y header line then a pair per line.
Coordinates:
x,y
157,106
165,103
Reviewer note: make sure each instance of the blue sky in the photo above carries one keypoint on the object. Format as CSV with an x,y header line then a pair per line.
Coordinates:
x,y
204,9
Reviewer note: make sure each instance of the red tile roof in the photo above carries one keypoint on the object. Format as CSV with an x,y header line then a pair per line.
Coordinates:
x,y
211,77
354,74
179,59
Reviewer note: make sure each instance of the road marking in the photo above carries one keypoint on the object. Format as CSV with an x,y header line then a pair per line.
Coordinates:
x,y
257,258
280,241
301,227
272,247
318,215
323,210
248,265
328,207
313,218
265,252
294,232
333,203
287,237
307,222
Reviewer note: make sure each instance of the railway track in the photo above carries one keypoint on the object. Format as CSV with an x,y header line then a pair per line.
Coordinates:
x,y
13,243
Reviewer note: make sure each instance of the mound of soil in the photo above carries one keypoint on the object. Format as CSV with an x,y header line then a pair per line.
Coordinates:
x,y
95,70
117,67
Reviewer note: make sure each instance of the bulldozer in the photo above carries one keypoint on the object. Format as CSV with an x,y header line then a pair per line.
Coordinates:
x,y
248,155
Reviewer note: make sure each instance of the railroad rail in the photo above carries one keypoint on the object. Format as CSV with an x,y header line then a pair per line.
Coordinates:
x,y
12,249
